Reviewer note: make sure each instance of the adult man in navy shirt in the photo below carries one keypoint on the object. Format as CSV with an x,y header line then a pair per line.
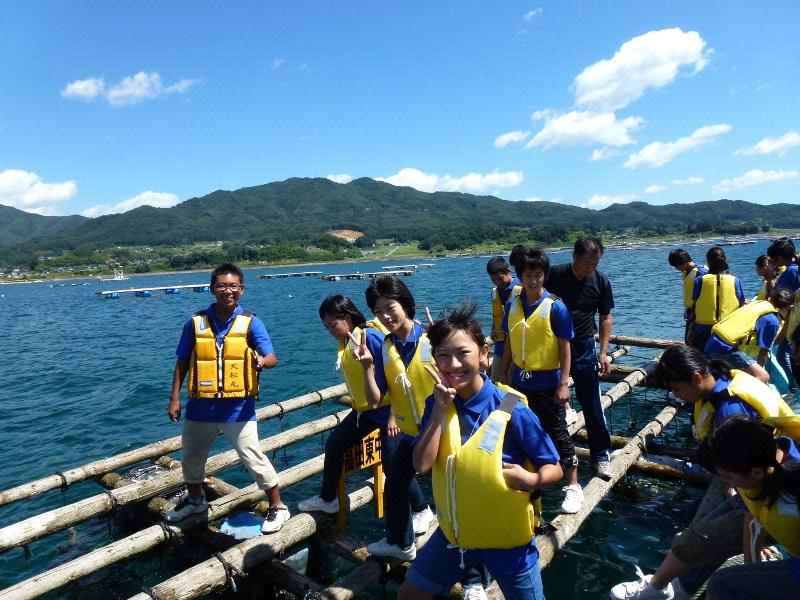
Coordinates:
x,y
587,292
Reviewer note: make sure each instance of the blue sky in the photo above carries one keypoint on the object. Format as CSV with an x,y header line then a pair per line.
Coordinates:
x,y
105,106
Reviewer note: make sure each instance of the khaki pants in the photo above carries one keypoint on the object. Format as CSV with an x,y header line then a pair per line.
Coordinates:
x,y
243,436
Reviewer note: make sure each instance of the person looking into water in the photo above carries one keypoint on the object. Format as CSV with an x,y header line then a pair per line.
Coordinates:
x,y
398,372
766,474
749,332
348,326
539,329
586,292
487,452
765,269
505,285
715,295
784,254
223,348
717,393
680,260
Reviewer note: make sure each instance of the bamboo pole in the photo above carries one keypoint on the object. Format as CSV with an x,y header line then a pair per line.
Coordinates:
x,y
660,471
209,575
112,463
619,441
33,528
150,537
567,525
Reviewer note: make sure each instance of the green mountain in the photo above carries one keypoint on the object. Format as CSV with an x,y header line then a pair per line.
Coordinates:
x,y
301,210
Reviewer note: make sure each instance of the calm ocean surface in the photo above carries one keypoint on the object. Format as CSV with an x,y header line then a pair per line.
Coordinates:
x,y
85,378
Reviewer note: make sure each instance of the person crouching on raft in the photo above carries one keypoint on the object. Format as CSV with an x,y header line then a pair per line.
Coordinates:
x,y
476,436
717,393
397,371
346,323
766,473
750,331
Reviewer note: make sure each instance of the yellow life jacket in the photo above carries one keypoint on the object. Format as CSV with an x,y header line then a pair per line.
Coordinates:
x,y
717,299
688,286
408,387
534,345
474,505
739,328
762,291
352,371
498,311
781,520
766,401
226,371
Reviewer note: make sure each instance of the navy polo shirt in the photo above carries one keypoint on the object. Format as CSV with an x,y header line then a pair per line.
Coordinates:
x,y
524,439
499,347
561,322
767,327
726,405
789,279
223,410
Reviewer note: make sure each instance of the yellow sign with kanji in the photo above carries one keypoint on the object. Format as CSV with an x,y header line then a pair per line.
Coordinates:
x,y
363,454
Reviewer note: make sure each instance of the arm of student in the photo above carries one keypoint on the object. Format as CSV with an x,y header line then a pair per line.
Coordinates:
x,y
426,446
519,478
392,430
505,361
565,358
606,322
763,355
178,375
266,361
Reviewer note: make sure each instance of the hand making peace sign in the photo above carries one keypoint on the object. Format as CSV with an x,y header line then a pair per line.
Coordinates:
x,y
361,352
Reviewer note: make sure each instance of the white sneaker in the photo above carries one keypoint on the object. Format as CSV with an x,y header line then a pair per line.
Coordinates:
x,y
571,415
276,517
316,503
474,591
640,590
422,520
573,499
384,548
187,506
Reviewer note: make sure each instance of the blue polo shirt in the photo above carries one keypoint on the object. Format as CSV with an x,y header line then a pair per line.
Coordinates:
x,y
789,279
406,348
726,405
561,322
380,416
767,327
524,439
698,286
223,410
499,347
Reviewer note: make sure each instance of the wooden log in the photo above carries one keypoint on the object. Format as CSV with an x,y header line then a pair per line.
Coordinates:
x,y
150,537
118,461
567,525
209,575
33,528
660,471
618,441
641,342
286,578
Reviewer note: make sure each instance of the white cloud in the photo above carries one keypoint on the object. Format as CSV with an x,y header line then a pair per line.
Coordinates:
x,y
583,127
148,198
128,91
26,191
688,181
602,200
751,178
657,154
277,62
532,14
652,60
340,178
472,183
84,89
655,189
511,137
603,154
768,145
556,199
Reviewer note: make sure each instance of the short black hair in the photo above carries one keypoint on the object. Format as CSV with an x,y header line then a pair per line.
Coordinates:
x,y
461,318
497,266
783,247
762,260
588,245
339,307
530,260
515,251
389,286
227,269
781,298
678,257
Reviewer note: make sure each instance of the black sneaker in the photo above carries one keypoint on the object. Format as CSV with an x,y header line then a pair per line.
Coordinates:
x,y
276,517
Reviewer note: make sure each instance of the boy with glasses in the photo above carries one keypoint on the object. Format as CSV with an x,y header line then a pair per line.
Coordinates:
x,y
223,348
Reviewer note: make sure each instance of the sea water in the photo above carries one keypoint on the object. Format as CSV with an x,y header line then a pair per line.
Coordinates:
x,y
84,378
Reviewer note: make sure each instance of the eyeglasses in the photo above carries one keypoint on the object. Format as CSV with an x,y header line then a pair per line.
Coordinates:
x,y
221,287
